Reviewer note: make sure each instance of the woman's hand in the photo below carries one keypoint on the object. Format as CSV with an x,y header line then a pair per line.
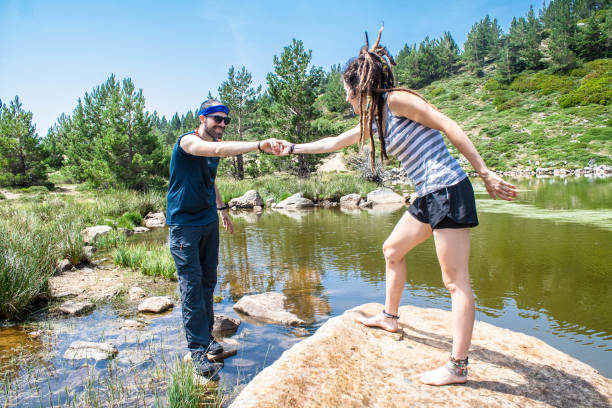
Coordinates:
x,y
497,187
227,222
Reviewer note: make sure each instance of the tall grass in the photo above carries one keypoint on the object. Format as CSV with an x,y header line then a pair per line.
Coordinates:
x,y
151,260
318,187
186,390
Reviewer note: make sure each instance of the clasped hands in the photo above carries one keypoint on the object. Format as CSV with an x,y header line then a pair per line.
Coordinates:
x,y
276,147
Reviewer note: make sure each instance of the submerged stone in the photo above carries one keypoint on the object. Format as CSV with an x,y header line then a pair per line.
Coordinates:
x,y
345,364
75,308
87,349
225,326
156,304
269,306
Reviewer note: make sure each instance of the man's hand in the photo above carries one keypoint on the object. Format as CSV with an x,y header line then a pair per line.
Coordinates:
x,y
271,146
227,222
285,148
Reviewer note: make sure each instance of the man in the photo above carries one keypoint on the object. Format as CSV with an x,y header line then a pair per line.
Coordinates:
x,y
192,204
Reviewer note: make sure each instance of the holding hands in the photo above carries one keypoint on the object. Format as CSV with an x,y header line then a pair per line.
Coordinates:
x,y
276,147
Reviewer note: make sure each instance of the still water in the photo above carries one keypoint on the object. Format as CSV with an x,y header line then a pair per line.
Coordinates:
x,y
540,265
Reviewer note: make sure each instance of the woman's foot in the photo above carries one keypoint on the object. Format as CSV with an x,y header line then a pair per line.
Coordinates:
x,y
453,372
384,320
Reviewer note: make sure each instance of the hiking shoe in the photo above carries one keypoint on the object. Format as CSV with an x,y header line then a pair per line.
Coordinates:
x,y
204,367
214,348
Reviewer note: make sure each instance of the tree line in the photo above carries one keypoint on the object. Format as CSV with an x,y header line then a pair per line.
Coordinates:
x,y
111,140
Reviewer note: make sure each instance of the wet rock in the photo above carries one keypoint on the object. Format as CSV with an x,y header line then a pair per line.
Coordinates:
x,y
90,234
89,252
75,308
328,203
136,294
269,202
269,306
129,324
258,208
156,304
128,232
366,204
350,201
104,295
141,230
295,201
385,196
35,335
86,350
225,326
249,199
66,293
380,369
63,266
155,220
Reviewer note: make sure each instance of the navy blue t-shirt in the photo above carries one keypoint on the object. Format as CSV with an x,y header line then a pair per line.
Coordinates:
x,y
191,191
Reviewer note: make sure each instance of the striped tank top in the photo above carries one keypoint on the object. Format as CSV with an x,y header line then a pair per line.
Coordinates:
x,y
422,153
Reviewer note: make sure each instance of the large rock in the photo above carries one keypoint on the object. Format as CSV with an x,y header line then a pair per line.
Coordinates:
x,y
141,230
90,234
269,307
156,304
87,349
75,308
385,196
345,364
350,201
249,199
295,201
225,326
155,220
230,348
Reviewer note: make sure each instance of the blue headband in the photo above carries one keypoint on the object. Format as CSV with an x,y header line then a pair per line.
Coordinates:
x,y
214,109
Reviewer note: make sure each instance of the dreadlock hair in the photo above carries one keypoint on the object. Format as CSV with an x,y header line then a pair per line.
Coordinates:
x,y
369,76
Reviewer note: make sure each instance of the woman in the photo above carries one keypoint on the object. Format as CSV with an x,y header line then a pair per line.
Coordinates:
x,y
409,128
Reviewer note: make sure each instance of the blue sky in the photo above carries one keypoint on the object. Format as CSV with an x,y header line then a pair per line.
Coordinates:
x,y
52,52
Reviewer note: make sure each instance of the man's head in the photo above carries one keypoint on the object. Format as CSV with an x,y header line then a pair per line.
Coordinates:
x,y
214,116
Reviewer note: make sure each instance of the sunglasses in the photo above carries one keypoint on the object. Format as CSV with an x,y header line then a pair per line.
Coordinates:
x,y
219,119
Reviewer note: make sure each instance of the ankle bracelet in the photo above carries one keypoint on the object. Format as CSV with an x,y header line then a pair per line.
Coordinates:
x,y
458,367
389,315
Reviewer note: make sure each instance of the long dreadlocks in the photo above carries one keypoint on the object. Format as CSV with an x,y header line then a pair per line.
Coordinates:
x,y
369,75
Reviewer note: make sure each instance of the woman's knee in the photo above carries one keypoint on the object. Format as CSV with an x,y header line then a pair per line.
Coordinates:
x,y
392,253
457,281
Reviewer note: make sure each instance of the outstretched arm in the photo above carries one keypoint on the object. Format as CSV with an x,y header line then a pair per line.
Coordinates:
x,y
414,108
325,145
198,147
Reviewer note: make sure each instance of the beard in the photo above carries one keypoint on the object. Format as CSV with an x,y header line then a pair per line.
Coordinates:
x,y
215,131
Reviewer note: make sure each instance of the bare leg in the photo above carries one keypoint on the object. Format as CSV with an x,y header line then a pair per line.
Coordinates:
x,y
453,249
408,233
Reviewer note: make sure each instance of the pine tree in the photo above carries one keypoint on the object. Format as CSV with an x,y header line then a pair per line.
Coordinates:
x,y
531,53
334,97
237,94
21,155
292,88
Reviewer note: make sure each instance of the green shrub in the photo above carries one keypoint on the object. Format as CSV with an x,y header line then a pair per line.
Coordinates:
x,y
2,196
436,91
452,96
494,85
603,134
596,89
129,220
544,83
34,189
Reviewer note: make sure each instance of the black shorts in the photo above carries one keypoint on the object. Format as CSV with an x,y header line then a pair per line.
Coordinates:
x,y
450,207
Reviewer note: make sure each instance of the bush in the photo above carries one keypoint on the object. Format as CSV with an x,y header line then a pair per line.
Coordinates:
x,y
452,96
2,196
494,85
544,83
436,91
34,189
129,220
596,89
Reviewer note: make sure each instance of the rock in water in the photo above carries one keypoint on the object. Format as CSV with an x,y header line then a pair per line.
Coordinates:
x,y
295,201
385,196
249,199
345,364
87,349
90,234
225,326
268,306
350,201
155,220
75,308
156,304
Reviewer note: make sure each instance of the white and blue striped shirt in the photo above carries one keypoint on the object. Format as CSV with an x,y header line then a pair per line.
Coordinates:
x,y
422,153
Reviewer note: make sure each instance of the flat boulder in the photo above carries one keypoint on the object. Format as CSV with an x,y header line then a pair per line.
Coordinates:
x,y
230,349
75,308
156,304
385,196
89,350
225,326
155,220
269,306
249,199
295,201
141,230
345,364
350,200
90,234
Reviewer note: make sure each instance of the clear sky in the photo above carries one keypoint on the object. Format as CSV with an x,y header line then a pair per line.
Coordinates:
x,y
52,52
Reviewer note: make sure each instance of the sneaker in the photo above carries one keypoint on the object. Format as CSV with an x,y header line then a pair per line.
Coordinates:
x,y
214,348
204,366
